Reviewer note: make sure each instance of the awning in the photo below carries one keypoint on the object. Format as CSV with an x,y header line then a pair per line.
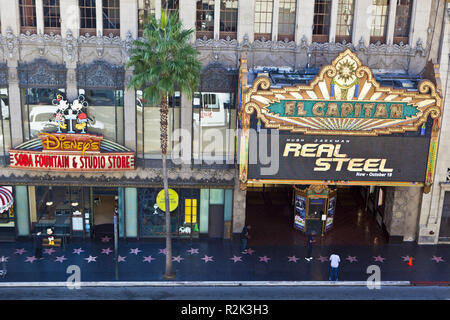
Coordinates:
x,y
6,199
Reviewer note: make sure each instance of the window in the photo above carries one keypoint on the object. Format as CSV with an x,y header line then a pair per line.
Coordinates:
x,y
52,18
111,17
27,16
5,125
105,108
402,21
344,25
205,19
183,219
88,17
170,5
146,8
214,122
228,18
286,20
38,110
263,19
379,20
321,28
148,126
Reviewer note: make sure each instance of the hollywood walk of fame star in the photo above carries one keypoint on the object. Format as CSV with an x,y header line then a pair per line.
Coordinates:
x,y
177,259
379,258
107,251
90,259
4,259
121,259
249,251
264,259
148,259
192,251
236,259
20,251
322,259
135,251
60,259
406,258
206,258
351,259
106,239
437,259
49,251
77,251
163,251
31,259
293,259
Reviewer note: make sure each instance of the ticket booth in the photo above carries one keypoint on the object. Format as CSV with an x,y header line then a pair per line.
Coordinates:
x,y
314,208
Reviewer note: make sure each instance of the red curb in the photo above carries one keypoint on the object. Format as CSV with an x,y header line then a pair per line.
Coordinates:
x,y
430,283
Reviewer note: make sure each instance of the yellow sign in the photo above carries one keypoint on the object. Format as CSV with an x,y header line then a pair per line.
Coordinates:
x,y
173,200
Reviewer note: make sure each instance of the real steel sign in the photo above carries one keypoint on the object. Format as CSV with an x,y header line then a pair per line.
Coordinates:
x,y
345,158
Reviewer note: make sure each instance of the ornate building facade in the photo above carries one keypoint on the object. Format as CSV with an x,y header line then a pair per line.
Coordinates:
x,y
78,47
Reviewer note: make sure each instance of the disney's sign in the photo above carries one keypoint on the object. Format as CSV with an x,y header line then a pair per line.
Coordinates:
x,y
70,142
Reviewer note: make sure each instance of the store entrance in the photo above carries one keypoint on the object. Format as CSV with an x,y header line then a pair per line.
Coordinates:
x,y
105,201
270,212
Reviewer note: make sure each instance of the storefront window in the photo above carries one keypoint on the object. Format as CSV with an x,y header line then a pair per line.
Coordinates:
x,y
148,126
344,23
184,219
5,126
105,109
38,110
286,20
214,123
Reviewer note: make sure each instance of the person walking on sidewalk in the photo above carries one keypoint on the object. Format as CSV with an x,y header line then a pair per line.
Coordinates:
x,y
244,237
309,243
38,245
334,266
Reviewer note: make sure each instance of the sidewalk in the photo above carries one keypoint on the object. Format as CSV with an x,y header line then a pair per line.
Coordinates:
x,y
211,260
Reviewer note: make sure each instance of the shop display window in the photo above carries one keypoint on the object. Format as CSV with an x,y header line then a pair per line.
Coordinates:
x,y
105,109
38,110
184,220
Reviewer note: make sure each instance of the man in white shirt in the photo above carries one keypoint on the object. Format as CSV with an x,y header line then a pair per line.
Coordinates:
x,y
334,263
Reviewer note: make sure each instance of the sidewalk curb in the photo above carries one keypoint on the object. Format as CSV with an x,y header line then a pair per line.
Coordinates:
x,y
203,284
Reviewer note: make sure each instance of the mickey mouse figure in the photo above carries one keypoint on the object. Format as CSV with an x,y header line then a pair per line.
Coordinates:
x,y
82,117
50,237
59,116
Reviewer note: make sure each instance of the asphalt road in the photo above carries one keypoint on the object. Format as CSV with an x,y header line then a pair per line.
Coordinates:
x,y
227,293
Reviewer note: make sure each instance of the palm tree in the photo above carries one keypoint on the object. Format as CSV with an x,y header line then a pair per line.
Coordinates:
x,y
163,61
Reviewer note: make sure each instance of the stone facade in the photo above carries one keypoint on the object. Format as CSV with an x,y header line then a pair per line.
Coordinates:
x,y
74,50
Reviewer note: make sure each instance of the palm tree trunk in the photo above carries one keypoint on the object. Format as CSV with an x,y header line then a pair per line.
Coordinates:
x,y
164,111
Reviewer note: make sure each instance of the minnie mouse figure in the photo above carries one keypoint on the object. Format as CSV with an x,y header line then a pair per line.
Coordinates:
x,y
82,117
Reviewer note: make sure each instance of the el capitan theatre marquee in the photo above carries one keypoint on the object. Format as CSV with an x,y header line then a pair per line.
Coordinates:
x,y
342,128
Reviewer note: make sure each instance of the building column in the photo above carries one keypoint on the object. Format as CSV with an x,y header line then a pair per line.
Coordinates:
x,y
305,21
186,129
99,17
71,82
216,19
39,17
420,20
239,206
246,20
362,18
21,211
70,20
275,19
333,21
129,110
128,18
10,16
391,22
15,105
188,13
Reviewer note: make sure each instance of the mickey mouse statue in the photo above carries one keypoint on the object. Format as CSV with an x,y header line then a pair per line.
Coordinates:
x,y
59,115
82,117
